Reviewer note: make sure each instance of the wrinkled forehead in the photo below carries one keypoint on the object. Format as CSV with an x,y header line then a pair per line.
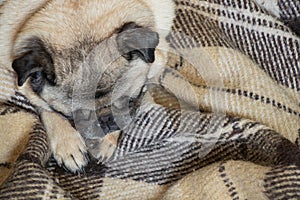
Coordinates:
x,y
63,22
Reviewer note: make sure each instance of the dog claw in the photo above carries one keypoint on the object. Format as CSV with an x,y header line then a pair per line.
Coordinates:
x,y
71,153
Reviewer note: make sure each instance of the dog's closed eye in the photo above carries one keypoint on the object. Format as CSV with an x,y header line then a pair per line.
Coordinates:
x,y
37,81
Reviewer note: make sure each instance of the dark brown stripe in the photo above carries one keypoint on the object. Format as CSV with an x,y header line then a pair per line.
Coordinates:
x,y
256,97
228,183
9,110
5,165
21,101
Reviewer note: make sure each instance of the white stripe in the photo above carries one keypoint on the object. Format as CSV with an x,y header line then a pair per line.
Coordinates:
x,y
246,13
8,83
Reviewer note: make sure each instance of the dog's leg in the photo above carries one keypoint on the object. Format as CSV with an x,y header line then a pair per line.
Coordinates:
x,y
104,148
66,143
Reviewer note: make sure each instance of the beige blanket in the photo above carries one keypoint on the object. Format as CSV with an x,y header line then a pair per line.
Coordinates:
x,y
235,60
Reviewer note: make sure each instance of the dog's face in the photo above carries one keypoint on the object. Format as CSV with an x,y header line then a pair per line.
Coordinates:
x,y
71,52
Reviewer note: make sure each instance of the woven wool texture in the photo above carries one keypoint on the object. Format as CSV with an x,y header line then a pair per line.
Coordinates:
x,y
234,60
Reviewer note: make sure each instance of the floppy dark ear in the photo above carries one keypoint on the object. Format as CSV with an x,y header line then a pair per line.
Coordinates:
x,y
137,40
26,66
36,59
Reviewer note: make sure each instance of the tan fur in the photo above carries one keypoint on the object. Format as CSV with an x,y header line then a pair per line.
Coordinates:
x,y
65,24
66,143
77,21
14,15
72,29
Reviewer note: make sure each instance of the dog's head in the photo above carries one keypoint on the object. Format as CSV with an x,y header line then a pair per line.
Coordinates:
x,y
82,49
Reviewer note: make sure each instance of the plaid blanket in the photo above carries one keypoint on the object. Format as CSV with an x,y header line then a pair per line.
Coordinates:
x,y
223,122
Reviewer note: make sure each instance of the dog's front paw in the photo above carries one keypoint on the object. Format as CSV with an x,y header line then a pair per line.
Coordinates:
x,y
103,148
67,145
70,152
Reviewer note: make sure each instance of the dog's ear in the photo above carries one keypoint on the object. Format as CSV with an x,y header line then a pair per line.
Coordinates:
x,y
26,66
133,40
35,63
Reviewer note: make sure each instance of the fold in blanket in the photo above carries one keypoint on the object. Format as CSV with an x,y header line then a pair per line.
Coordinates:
x,y
223,122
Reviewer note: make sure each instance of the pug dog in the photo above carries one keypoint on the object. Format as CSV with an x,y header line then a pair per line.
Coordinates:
x,y
66,53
